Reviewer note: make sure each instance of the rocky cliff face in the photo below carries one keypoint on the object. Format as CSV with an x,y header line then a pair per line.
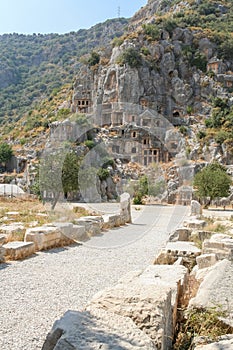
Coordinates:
x,y
170,75
167,66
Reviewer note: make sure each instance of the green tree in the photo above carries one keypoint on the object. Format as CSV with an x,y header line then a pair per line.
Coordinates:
x,y
59,175
6,153
140,190
212,181
70,171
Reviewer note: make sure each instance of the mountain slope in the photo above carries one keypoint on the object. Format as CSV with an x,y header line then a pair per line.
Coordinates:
x,y
33,66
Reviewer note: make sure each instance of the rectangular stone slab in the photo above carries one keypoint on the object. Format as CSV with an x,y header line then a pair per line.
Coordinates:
x,y
19,250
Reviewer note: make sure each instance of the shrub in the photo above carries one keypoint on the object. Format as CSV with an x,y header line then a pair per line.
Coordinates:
x,y
221,136
103,174
131,57
152,31
94,59
201,134
199,60
183,130
145,51
137,200
89,143
117,41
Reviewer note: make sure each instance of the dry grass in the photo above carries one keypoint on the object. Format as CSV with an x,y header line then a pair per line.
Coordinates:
x,y
216,228
30,212
200,322
21,204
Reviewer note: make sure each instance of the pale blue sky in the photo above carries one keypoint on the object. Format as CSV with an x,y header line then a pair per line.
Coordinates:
x,y
60,16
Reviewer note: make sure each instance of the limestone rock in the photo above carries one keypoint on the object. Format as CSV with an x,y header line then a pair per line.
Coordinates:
x,y
12,230
201,235
180,234
206,260
195,223
18,250
219,244
196,209
125,208
216,290
97,329
44,237
149,298
174,250
224,343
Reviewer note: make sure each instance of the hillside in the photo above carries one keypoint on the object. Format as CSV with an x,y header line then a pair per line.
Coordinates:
x,y
173,62
32,67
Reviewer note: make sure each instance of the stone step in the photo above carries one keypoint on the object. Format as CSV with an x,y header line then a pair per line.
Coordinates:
x,y
18,250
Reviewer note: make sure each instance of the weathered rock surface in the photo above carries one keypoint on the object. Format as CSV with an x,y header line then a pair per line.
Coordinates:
x,y
12,230
44,237
219,244
180,234
18,250
206,260
224,343
98,329
196,209
201,235
3,239
216,289
149,298
195,223
174,250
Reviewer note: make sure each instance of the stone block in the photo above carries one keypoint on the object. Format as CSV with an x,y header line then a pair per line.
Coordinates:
x,y
78,234
18,250
180,234
66,230
195,224
149,298
216,290
206,260
196,209
174,250
112,220
11,230
93,225
219,244
125,207
97,329
44,237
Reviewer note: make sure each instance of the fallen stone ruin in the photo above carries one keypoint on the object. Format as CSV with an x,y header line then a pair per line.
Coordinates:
x,y
142,310
59,234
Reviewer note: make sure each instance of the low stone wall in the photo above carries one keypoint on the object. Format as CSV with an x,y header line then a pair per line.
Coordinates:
x,y
61,233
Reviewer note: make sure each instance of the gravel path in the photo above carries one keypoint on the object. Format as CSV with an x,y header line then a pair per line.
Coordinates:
x,y
37,291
